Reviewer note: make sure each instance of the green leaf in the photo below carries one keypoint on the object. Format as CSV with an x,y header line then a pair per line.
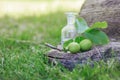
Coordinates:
x,y
66,43
81,25
101,25
97,37
79,39
98,25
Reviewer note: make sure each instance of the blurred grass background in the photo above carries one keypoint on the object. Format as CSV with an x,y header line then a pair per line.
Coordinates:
x,y
25,25
38,6
35,20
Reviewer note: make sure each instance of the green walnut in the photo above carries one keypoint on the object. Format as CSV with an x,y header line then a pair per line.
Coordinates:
x,y
85,45
74,47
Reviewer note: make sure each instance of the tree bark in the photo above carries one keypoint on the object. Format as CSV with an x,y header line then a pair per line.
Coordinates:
x,y
103,10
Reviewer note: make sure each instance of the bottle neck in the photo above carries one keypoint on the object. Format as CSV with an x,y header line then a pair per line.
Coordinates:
x,y
70,20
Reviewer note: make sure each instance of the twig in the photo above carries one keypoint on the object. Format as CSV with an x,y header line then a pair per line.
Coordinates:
x,y
53,47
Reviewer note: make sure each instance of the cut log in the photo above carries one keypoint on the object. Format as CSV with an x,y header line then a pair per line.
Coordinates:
x,y
103,10
98,53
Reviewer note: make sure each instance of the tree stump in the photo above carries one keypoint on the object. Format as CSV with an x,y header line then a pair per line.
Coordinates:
x,y
112,50
103,10
93,11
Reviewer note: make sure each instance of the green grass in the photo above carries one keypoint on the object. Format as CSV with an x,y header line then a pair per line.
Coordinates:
x,y
45,28
22,51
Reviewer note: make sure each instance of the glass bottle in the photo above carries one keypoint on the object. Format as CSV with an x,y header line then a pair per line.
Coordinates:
x,y
69,31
